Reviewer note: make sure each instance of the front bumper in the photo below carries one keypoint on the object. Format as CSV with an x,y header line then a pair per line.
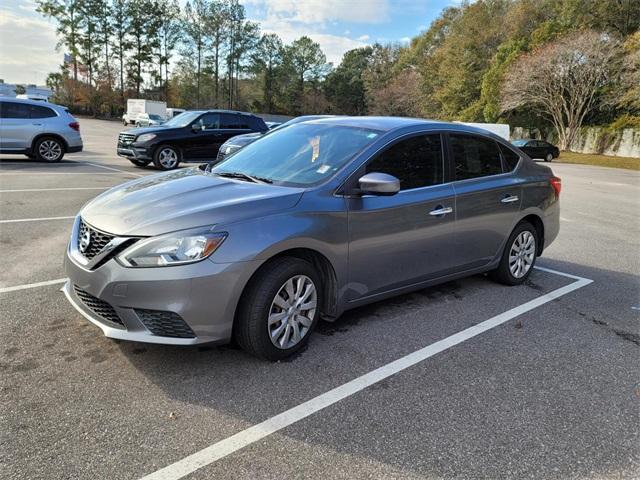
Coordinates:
x,y
202,295
136,153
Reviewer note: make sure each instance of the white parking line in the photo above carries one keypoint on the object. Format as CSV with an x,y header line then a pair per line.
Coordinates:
x,y
257,432
53,189
19,220
32,285
114,169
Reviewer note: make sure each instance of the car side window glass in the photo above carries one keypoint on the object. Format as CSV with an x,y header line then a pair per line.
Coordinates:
x,y
416,162
510,158
41,112
209,121
14,110
475,157
230,120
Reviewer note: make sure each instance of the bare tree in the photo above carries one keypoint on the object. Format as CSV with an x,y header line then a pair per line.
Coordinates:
x,y
561,80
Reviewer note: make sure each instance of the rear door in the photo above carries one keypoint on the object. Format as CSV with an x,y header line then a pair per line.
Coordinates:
x,y
17,128
399,240
231,124
487,199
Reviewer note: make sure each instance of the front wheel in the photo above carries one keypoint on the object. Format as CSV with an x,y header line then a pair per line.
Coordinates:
x,y
549,157
49,150
519,256
166,157
279,309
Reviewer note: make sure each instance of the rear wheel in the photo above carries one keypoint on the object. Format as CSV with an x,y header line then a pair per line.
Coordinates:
x,y
140,163
519,256
548,157
279,309
49,149
166,157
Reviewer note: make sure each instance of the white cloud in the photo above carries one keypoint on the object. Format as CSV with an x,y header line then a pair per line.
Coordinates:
x,y
27,48
405,40
321,11
363,38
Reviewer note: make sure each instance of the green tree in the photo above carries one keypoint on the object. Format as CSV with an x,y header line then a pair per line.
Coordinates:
x,y
267,59
143,26
120,43
169,34
307,62
344,86
196,39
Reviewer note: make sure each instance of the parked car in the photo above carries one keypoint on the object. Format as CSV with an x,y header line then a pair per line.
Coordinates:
x,y
174,112
538,149
236,143
39,130
149,120
138,106
191,136
310,221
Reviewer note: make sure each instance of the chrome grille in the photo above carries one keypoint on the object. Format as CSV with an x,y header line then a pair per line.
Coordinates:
x,y
97,306
165,324
125,139
98,240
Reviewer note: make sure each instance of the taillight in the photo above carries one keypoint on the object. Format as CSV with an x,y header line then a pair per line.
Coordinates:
x,y
556,183
75,126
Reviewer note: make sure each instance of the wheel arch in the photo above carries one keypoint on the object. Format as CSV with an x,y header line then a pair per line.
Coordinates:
x,y
329,305
40,136
538,224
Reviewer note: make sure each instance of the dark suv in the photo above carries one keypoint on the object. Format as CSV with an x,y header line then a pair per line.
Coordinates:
x,y
195,135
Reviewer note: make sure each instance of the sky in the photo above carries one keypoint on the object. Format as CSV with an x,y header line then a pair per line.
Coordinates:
x,y
28,41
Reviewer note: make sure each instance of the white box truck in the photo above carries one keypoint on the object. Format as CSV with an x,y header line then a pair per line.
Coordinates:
x,y
136,106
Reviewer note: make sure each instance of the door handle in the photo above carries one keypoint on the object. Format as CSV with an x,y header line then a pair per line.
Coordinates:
x,y
440,211
510,199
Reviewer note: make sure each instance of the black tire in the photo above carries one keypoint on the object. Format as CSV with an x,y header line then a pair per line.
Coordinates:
x,y
140,163
162,164
48,149
124,122
548,157
503,273
251,329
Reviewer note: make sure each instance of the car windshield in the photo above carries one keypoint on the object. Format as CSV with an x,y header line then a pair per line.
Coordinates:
x,y
182,120
300,155
155,117
519,143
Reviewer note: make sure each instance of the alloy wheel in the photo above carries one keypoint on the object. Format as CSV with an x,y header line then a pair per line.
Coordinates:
x,y
50,150
168,158
292,312
522,254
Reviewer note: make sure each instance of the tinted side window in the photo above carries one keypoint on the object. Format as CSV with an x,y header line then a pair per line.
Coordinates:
x,y
41,112
510,158
210,121
475,157
230,120
416,162
14,110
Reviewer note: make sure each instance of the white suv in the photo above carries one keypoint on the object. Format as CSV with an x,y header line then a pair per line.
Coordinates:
x,y
39,130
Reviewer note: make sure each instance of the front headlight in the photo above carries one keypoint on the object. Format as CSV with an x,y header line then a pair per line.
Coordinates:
x,y
146,137
178,248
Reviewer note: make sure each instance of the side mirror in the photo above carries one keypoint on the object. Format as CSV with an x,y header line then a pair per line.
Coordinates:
x,y
376,183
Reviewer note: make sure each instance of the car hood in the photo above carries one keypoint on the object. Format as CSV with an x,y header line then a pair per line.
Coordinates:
x,y
182,199
244,139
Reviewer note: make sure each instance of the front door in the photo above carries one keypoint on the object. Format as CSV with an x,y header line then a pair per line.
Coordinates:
x,y
399,240
17,128
204,137
488,200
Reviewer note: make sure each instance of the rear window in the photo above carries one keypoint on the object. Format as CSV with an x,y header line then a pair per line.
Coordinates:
x,y
510,158
475,157
229,120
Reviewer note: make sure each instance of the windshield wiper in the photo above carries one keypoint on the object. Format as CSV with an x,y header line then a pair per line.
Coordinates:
x,y
243,176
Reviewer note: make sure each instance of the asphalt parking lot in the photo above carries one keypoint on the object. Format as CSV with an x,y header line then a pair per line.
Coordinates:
x,y
549,388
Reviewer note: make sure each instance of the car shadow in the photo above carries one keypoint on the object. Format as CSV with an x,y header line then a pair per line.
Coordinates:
x,y
525,393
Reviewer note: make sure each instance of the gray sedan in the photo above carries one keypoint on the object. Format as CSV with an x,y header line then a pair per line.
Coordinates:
x,y
310,221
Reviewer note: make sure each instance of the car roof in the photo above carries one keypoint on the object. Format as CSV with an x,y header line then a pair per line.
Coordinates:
x,y
26,101
223,111
388,124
